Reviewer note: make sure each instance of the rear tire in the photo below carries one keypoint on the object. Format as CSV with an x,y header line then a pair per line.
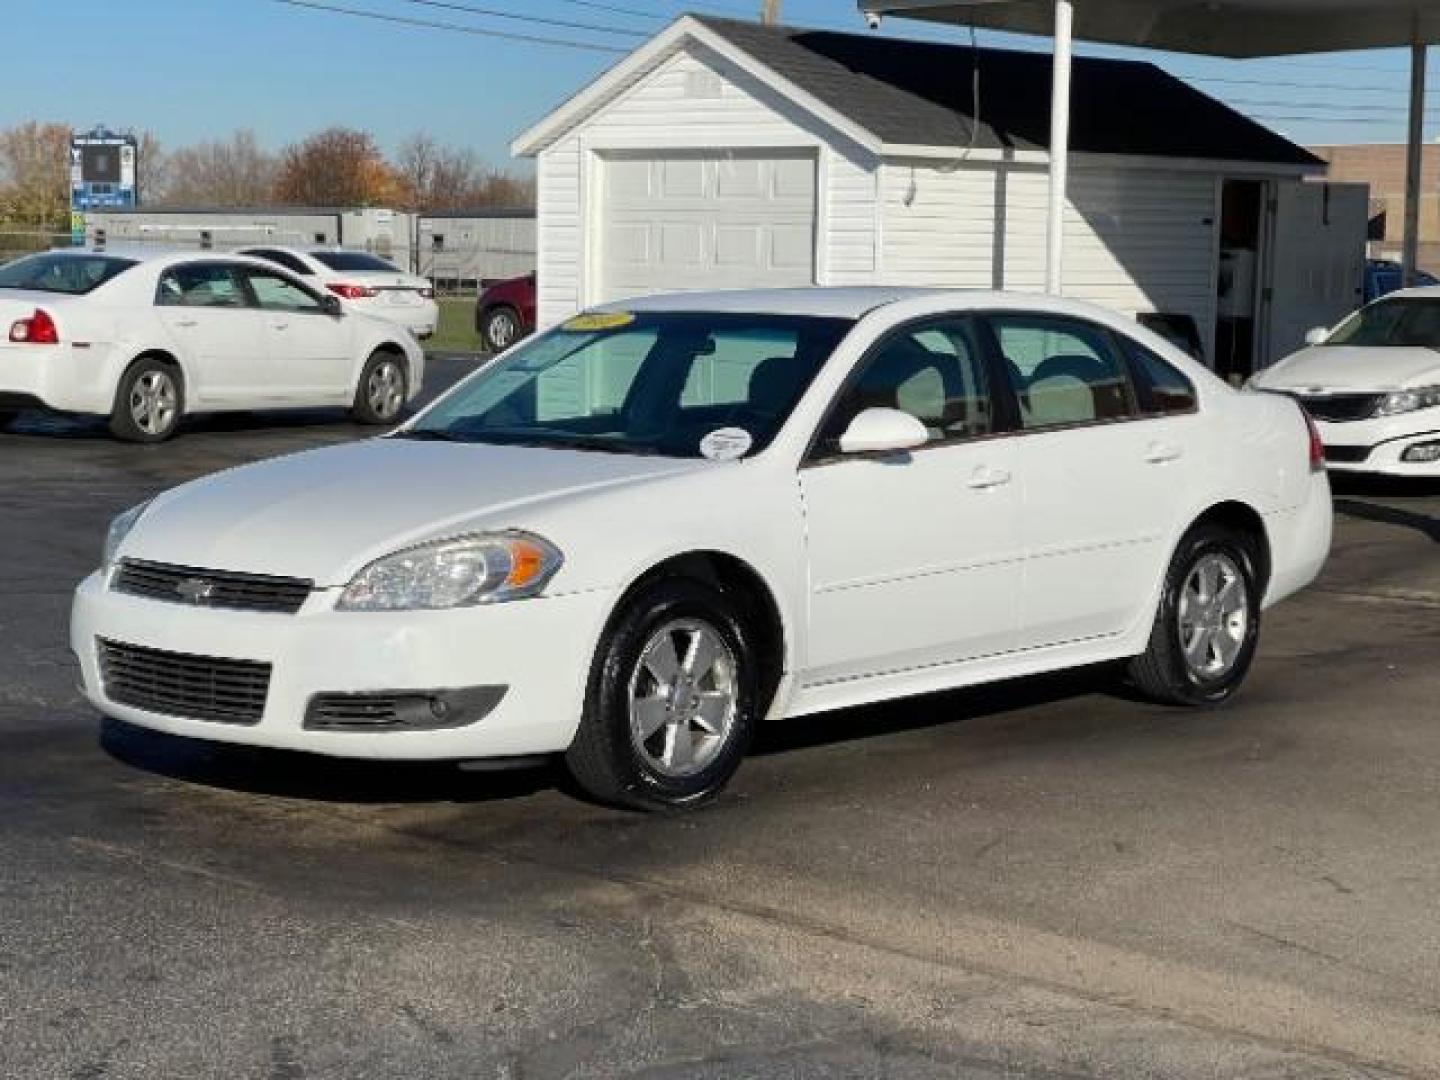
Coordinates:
x,y
149,402
501,328
1208,623
382,390
7,417
671,705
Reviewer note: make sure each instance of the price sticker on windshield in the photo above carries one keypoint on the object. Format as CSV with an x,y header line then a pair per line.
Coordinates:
x,y
597,320
726,444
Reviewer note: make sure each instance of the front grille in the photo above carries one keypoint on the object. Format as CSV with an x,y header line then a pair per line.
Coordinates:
x,y
1340,408
211,588
1347,455
185,685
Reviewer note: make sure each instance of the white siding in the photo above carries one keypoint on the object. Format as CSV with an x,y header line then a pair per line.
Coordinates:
x,y
1135,239
696,100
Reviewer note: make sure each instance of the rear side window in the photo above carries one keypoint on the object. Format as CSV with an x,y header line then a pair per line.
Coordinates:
x,y
357,261
1163,388
75,275
200,285
280,258
1063,371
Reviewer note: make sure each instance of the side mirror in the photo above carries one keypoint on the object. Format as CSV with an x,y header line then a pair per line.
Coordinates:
x,y
879,430
332,305
1317,336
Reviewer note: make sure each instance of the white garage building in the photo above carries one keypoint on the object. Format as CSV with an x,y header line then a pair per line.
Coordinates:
x,y
729,154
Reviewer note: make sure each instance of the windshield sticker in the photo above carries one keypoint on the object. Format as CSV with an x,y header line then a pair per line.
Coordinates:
x,y
726,444
597,320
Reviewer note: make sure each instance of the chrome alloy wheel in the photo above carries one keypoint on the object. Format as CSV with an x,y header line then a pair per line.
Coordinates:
x,y
154,401
683,697
1214,616
385,389
502,330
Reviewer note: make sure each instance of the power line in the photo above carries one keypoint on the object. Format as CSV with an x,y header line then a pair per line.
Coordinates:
x,y
1241,103
1293,85
497,14
428,24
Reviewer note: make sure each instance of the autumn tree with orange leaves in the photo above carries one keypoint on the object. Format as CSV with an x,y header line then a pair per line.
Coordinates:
x,y
337,167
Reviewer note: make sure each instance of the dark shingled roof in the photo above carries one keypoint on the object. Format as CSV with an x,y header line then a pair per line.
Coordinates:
x,y
920,93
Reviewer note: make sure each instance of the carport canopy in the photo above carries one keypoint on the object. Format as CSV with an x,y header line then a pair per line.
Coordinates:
x,y
1230,28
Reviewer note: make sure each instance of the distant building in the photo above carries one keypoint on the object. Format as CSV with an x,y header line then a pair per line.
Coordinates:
x,y
459,250
1382,166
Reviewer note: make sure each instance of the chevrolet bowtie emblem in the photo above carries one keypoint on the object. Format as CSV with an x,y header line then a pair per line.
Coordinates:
x,y
195,590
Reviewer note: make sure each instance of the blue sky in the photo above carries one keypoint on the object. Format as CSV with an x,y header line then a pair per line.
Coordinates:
x,y
194,69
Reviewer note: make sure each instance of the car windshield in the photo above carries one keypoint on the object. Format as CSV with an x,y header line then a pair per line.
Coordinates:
x,y
1401,322
62,273
681,384
353,261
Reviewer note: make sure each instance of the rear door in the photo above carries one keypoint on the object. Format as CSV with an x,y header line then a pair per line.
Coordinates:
x,y
221,337
1105,459
311,356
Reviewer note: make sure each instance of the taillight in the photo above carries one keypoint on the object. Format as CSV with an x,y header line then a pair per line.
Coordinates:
x,y
39,329
352,292
1317,445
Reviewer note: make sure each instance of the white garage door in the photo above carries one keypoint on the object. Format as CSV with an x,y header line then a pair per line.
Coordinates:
x,y
706,221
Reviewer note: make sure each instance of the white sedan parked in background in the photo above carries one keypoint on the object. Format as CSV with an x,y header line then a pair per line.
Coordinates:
x,y
633,538
1373,386
148,338
364,282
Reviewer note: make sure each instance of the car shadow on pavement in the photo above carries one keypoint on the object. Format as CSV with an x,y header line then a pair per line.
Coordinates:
x,y
59,426
933,710
1354,495
263,771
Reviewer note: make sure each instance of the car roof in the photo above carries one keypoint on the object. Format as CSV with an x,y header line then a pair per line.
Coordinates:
x,y
840,302
854,302
1419,292
156,253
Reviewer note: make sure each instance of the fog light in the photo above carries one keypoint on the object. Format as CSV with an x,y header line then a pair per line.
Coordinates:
x,y
1422,453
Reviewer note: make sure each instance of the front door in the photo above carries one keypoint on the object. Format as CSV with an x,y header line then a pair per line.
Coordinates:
x,y
219,336
911,555
310,359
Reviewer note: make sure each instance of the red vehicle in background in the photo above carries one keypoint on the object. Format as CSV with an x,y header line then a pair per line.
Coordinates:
x,y
505,312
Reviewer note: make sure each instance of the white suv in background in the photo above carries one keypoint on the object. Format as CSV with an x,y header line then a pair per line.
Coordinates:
x,y
363,282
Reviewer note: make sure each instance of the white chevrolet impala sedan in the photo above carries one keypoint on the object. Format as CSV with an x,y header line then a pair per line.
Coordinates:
x,y
632,539
146,338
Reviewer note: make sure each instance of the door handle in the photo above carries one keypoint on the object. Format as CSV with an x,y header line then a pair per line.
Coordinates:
x,y
187,323
984,478
1159,453
280,326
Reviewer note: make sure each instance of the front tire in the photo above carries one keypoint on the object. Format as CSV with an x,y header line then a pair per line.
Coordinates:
x,y
501,328
149,402
671,705
382,390
1208,623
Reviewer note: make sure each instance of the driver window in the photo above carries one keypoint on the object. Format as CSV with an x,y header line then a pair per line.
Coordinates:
x,y
275,293
936,374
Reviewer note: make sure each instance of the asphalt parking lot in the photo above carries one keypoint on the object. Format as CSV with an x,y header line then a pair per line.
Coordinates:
x,y
1035,880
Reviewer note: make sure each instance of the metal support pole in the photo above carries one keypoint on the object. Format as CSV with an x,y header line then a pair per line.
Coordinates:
x,y
1413,162
1059,146
770,12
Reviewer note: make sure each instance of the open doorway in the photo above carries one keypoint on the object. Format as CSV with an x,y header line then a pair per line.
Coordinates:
x,y
1241,216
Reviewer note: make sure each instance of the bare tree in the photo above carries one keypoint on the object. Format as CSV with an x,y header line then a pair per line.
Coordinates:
x,y
35,174
337,167
229,172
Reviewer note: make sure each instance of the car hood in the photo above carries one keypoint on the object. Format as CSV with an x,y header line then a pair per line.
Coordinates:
x,y
1345,368
324,514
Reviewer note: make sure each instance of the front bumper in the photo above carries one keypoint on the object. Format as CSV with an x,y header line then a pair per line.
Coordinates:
x,y
1379,445
538,650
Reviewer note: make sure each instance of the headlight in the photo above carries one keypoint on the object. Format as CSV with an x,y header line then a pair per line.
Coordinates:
x,y
1403,401
119,529
460,572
